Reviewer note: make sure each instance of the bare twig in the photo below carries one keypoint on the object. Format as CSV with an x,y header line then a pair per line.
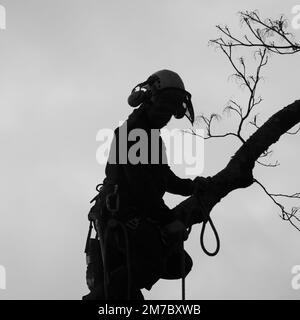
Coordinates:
x,y
271,35
287,216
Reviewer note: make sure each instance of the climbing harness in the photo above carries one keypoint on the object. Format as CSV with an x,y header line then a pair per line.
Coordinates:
x,y
112,203
109,199
112,225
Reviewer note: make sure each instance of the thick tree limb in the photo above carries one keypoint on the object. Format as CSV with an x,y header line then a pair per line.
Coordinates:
x,y
238,172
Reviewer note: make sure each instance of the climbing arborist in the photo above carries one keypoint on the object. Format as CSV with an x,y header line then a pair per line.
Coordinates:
x,y
132,193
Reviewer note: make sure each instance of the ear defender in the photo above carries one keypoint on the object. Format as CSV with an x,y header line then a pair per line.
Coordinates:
x,y
137,97
141,92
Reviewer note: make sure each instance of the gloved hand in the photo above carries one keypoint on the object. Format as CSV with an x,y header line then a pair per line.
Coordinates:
x,y
175,231
201,185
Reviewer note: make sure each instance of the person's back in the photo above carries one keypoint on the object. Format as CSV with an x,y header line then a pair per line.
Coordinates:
x,y
143,174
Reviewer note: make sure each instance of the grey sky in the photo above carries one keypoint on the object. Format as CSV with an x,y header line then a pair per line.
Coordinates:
x,y
67,68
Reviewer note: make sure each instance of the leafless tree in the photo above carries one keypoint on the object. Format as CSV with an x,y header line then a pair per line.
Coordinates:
x,y
265,37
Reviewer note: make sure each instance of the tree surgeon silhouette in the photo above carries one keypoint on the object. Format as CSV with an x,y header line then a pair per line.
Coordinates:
x,y
153,233
133,191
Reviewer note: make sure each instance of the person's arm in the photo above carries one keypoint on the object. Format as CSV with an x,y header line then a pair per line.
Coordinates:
x,y
177,185
173,183
146,194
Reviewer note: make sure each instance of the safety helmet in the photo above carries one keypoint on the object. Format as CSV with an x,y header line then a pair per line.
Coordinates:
x,y
166,79
160,81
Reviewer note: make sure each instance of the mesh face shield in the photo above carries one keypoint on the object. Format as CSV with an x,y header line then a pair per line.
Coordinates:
x,y
180,102
169,88
187,109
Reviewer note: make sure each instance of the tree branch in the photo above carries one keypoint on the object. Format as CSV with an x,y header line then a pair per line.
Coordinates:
x,y
263,32
238,172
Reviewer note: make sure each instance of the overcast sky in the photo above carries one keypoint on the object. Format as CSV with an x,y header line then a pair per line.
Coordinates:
x,y
66,69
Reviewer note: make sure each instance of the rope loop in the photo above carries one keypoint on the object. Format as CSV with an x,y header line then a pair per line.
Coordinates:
x,y
211,254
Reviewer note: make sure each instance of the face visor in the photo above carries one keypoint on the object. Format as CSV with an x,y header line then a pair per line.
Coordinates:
x,y
178,102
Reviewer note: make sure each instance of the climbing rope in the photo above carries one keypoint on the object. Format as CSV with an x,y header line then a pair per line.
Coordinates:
x,y
216,236
209,220
206,219
183,271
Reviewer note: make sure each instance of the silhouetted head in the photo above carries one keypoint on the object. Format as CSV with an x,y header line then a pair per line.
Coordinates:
x,y
166,96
